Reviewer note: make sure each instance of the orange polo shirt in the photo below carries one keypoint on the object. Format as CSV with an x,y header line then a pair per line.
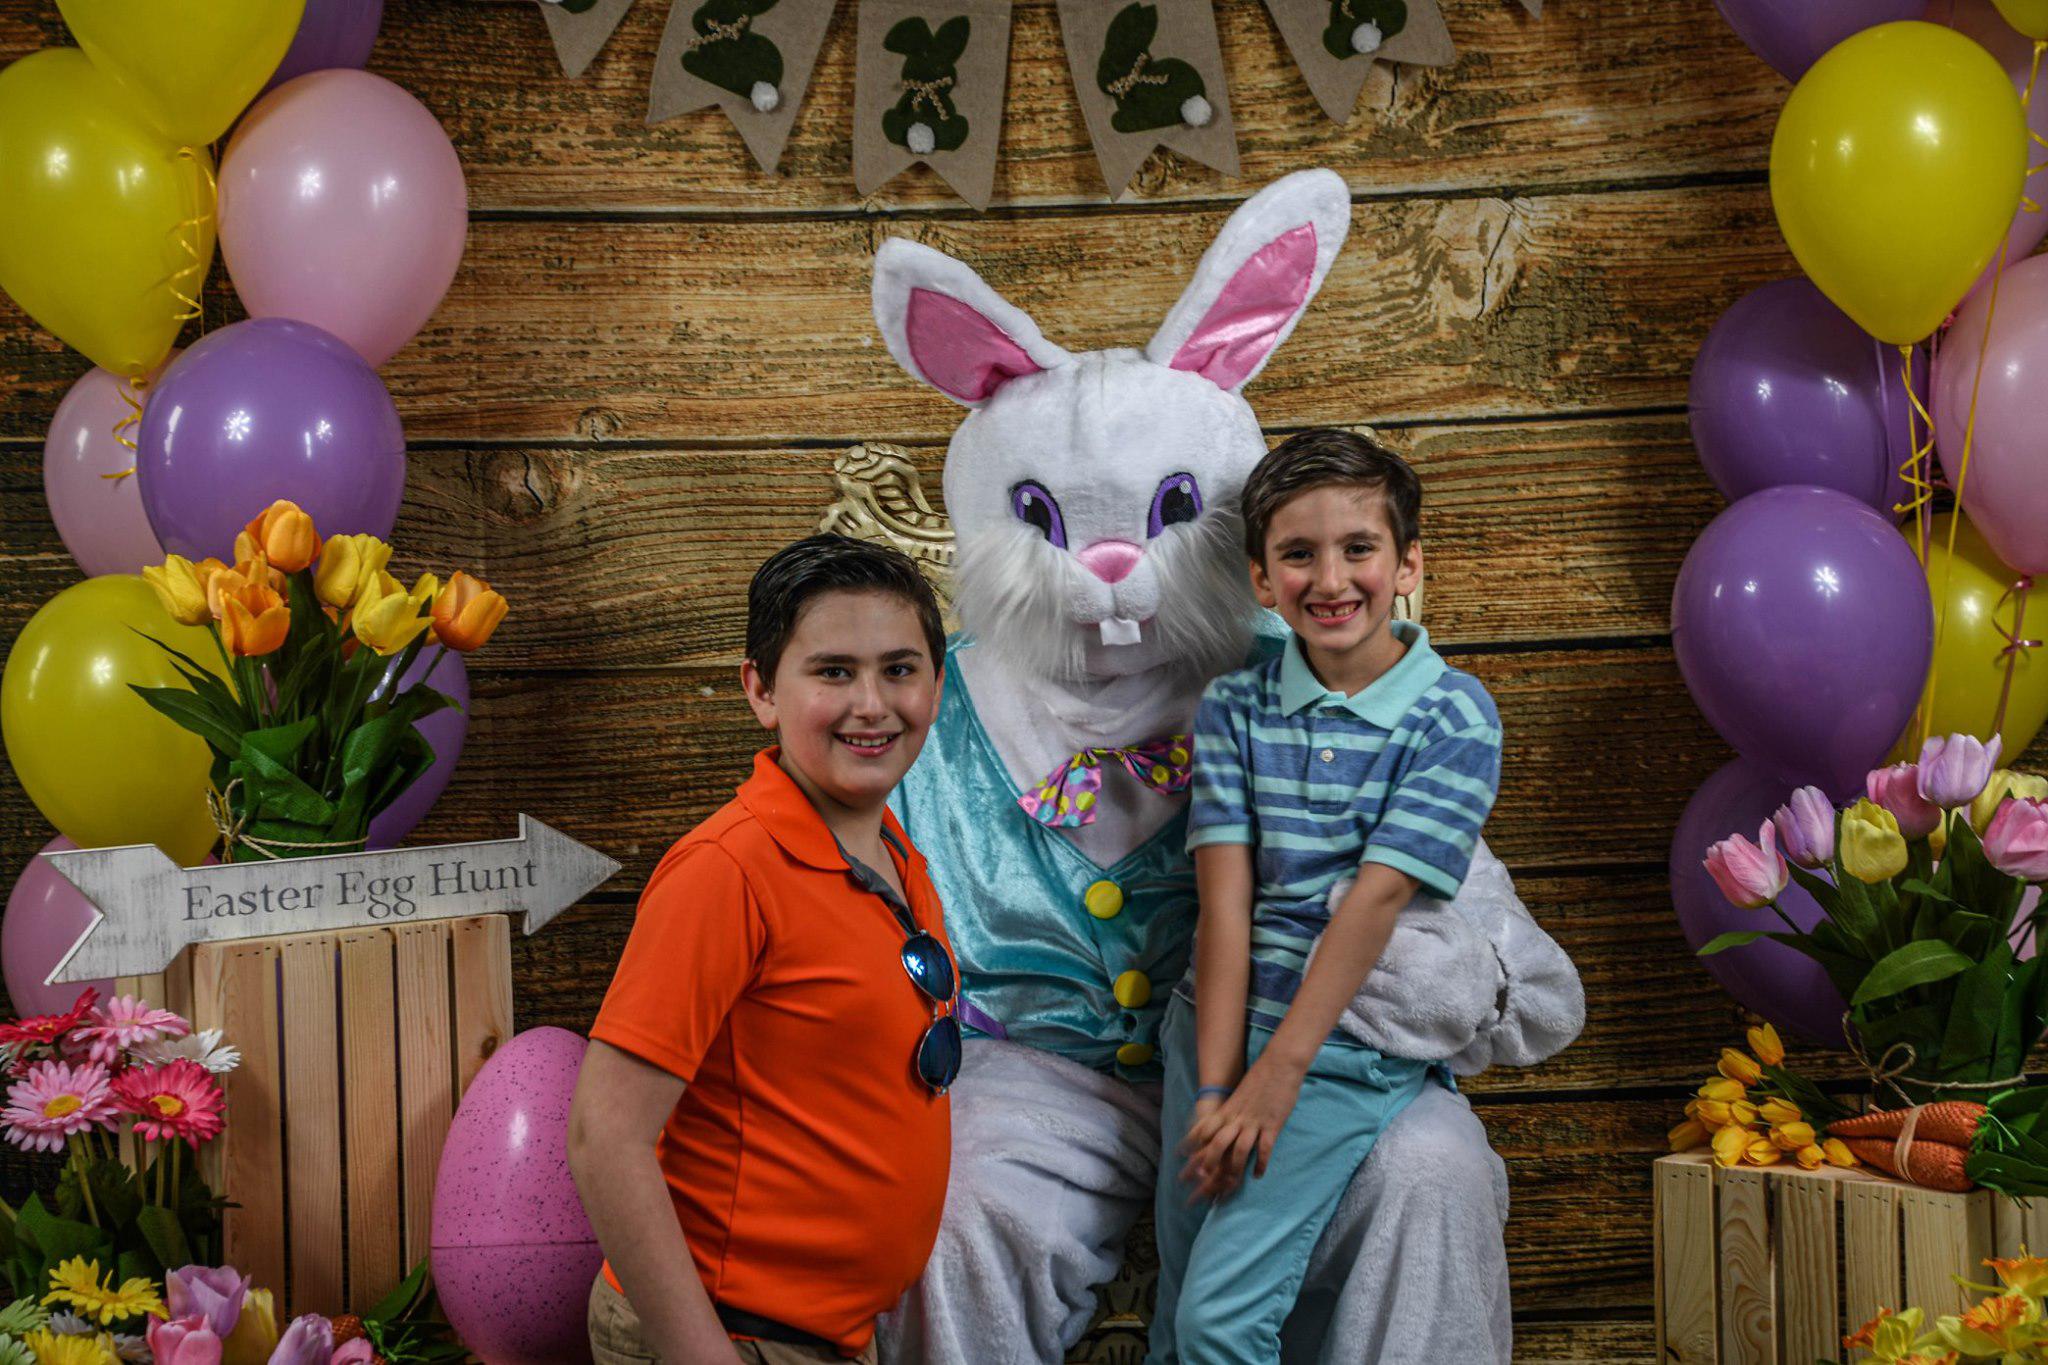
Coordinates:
x,y
806,1159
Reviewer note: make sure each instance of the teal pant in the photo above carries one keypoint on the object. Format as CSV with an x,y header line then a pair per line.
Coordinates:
x,y
1229,1271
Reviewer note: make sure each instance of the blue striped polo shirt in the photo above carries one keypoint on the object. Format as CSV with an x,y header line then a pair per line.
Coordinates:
x,y
1401,773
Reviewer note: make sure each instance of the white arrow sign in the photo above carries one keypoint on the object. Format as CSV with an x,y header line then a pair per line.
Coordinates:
x,y
150,908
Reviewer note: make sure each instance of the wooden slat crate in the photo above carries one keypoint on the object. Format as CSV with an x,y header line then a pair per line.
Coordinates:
x,y
356,1046
1775,1265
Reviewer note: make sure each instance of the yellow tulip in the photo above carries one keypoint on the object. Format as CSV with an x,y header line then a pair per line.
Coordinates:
x,y
467,613
2005,782
1688,1135
1729,1145
1838,1152
255,1334
387,618
1742,1113
1713,1113
347,564
177,586
1723,1088
1764,1042
1740,1067
285,535
1872,849
254,618
1762,1152
1791,1137
1777,1112
1810,1157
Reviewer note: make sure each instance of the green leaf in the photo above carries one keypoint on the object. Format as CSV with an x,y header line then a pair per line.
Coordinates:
x,y
403,1296
114,1193
191,714
1734,938
163,1235
1921,888
1917,964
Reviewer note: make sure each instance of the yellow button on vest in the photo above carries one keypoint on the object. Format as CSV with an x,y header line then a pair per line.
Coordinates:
x,y
1133,989
1134,1054
1105,900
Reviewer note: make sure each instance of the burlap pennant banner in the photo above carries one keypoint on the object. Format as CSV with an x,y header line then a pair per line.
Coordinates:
x,y
581,28
929,78
751,58
1335,42
1149,73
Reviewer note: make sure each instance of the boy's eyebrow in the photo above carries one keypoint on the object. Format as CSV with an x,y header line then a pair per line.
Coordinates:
x,y
892,656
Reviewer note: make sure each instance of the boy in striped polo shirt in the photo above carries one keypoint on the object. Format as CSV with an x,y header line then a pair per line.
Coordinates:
x,y
1357,753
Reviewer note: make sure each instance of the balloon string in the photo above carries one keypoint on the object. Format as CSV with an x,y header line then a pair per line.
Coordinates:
x,y
2027,202
132,389
2015,643
1918,469
187,230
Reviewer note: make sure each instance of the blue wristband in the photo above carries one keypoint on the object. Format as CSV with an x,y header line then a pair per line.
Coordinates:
x,y
1204,1092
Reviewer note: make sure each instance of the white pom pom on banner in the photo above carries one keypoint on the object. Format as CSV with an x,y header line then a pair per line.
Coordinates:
x,y
1196,111
1366,37
765,97
921,139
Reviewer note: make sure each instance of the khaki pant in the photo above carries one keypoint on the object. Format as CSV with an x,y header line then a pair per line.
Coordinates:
x,y
615,1337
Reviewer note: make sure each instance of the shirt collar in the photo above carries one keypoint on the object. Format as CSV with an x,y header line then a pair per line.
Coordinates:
x,y
773,797
1384,700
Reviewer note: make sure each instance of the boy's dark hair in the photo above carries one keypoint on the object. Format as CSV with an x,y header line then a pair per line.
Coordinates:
x,y
795,574
1318,459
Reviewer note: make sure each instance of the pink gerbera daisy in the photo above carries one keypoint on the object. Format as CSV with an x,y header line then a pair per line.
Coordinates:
x,y
179,1099
125,1022
48,1028
55,1100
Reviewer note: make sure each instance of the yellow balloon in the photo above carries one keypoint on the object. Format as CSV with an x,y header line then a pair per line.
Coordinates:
x,y
90,242
1969,658
100,764
2028,16
1895,171
190,66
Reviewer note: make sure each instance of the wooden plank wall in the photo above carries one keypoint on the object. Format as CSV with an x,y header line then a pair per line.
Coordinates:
x,y
652,352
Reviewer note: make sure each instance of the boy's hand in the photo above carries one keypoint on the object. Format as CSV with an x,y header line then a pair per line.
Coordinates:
x,y
1222,1141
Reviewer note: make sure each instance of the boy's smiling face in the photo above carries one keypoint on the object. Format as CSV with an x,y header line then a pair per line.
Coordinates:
x,y
1332,572
853,696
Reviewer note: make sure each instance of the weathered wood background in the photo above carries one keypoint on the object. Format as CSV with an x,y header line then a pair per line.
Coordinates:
x,y
637,384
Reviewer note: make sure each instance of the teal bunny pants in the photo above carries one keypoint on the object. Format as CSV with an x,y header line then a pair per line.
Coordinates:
x,y
1229,1271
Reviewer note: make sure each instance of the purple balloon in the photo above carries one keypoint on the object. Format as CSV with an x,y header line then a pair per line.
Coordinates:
x,y
1782,984
332,33
45,916
1803,628
445,730
97,509
1787,390
1792,34
261,410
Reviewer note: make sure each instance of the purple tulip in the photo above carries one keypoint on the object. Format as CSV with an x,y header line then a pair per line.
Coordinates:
x,y
1806,827
1897,789
1954,770
211,1292
183,1341
309,1340
2017,841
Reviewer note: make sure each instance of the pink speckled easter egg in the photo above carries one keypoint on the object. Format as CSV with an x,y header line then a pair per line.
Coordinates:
x,y
513,1254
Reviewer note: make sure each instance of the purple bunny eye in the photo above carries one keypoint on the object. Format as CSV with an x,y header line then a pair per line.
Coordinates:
x,y
1178,499
1033,506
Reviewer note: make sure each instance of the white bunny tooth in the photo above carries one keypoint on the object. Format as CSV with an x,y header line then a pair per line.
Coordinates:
x,y
1119,630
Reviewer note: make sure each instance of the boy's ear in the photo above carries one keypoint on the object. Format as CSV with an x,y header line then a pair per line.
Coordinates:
x,y
760,695
1262,586
1408,577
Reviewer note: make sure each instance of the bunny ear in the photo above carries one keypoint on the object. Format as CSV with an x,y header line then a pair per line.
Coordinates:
x,y
947,327
1255,279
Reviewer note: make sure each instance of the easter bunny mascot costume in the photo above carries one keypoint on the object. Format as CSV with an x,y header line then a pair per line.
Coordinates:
x,y
1100,581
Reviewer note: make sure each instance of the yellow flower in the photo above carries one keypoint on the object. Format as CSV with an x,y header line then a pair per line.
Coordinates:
x,y
1810,1157
387,618
2005,782
1729,1145
78,1282
1764,1042
1742,1113
2002,1324
1776,1111
1791,1137
1838,1153
177,586
1723,1088
1740,1067
347,564
81,1349
1688,1135
255,1334
1762,1152
467,613
285,535
2023,1274
1872,849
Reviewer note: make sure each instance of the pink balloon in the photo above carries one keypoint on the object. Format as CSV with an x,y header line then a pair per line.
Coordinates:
x,y
1980,21
45,916
2005,489
100,517
342,204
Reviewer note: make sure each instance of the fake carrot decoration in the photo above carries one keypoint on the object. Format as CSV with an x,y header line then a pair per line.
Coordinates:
x,y
1949,1121
1931,1165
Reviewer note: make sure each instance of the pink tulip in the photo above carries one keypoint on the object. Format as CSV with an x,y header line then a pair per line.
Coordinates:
x,y
1750,875
183,1341
1897,789
354,1352
1954,770
2017,841
1806,827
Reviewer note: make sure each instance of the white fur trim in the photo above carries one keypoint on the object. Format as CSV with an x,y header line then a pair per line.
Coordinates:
x,y
903,265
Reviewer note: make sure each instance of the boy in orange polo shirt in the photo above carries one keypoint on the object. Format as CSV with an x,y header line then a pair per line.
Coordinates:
x,y
783,1015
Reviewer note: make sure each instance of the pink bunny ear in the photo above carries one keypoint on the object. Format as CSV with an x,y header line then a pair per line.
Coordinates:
x,y
1256,279
947,327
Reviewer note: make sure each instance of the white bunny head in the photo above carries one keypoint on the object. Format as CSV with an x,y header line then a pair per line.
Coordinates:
x,y
1094,497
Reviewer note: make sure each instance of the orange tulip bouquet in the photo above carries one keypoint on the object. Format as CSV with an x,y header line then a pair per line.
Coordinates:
x,y
311,737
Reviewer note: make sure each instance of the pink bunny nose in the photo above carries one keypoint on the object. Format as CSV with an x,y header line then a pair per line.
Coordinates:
x,y
1110,560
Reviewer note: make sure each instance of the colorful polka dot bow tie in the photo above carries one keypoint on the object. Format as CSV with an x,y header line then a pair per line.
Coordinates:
x,y
1067,796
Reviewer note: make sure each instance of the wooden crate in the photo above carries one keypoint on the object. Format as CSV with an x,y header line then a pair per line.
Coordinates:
x,y
1763,1266
356,1046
